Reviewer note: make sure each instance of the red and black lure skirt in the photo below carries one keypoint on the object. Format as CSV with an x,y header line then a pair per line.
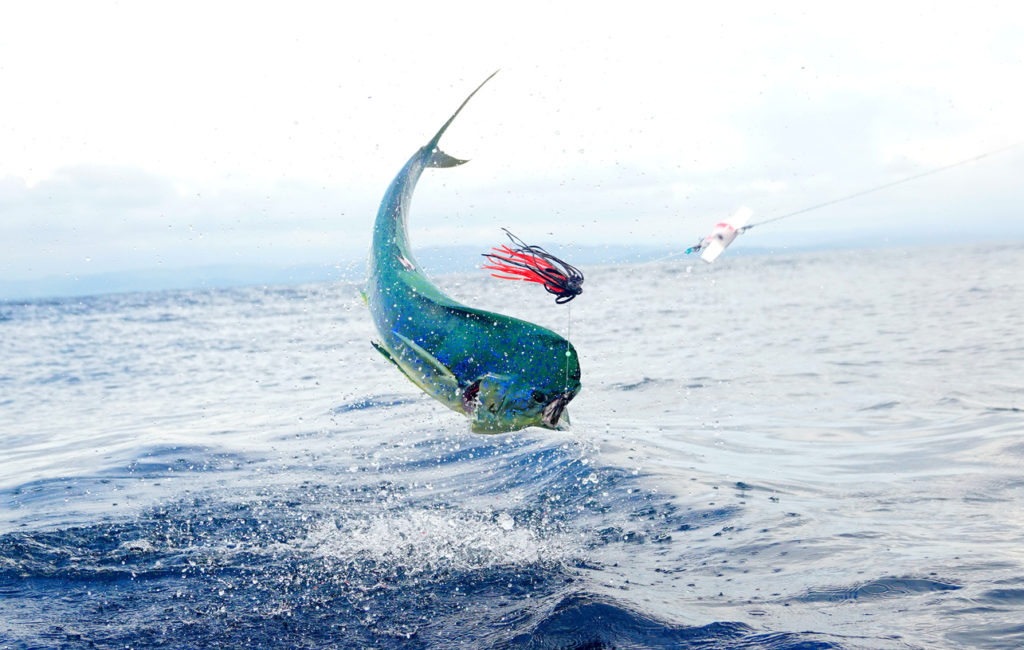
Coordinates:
x,y
534,264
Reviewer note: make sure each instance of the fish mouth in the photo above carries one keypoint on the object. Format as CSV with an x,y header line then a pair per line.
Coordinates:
x,y
471,397
553,411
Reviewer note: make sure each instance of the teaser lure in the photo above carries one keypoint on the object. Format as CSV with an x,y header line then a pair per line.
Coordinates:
x,y
726,231
722,235
534,264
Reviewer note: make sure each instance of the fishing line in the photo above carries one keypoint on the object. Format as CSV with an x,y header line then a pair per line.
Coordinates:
x,y
881,187
871,190
568,335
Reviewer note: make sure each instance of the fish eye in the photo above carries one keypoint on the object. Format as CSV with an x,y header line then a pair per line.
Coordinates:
x,y
538,396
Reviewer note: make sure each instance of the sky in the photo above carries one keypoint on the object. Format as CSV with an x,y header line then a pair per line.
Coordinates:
x,y
171,135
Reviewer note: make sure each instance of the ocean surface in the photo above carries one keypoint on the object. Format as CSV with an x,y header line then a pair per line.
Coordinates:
x,y
817,450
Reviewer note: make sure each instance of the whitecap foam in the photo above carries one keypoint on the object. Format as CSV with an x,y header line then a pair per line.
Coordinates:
x,y
429,540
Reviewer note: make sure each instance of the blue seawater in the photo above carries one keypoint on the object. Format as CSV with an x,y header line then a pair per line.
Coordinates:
x,y
784,451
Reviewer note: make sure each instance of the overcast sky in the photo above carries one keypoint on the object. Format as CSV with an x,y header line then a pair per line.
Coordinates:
x,y
138,135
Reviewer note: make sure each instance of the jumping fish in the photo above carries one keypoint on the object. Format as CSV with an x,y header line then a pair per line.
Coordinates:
x,y
504,373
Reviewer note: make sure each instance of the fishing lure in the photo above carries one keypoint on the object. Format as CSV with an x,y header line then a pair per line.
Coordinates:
x,y
722,235
534,264
726,231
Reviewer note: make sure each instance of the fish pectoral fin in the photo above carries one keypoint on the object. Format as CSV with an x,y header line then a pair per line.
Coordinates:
x,y
427,358
386,353
409,373
422,369
390,356
416,374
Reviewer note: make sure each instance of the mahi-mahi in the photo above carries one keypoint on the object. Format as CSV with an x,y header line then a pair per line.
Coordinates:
x,y
503,373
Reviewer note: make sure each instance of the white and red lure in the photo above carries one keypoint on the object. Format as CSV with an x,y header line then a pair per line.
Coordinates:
x,y
722,235
534,264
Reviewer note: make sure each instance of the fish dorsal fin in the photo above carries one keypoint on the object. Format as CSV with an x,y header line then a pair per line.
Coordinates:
x,y
427,358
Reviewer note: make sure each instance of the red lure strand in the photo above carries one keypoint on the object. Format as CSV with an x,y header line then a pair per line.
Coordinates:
x,y
534,264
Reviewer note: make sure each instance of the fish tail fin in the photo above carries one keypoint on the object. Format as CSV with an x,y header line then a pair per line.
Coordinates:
x,y
439,158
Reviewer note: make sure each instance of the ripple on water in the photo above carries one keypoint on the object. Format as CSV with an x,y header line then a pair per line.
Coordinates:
x,y
881,588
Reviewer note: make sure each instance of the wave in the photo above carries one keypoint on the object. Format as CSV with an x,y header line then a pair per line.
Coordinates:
x,y
363,561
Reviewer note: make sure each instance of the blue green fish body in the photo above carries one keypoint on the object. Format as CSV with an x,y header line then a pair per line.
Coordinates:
x,y
504,373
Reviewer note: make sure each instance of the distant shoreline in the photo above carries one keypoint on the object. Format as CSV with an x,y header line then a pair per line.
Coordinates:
x,y
436,260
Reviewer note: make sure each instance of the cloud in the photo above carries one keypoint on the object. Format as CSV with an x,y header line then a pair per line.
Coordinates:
x,y
94,218
272,136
